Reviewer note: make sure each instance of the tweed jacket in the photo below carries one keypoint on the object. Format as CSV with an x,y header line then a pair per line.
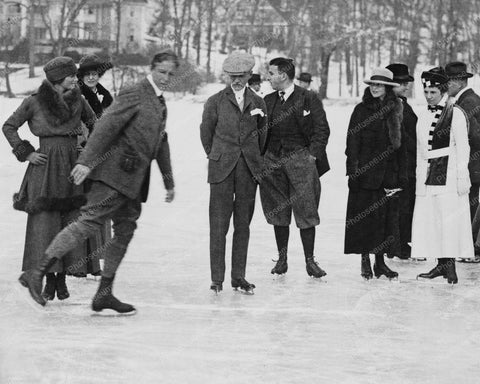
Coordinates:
x,y
128,136
469,101
311,117
227,132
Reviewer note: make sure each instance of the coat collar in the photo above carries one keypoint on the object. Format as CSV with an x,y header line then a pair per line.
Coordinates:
x,y
150,93
248,97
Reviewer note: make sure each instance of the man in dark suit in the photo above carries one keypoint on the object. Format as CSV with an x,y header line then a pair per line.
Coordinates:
x,y
295,158
232,128
469,101
117,159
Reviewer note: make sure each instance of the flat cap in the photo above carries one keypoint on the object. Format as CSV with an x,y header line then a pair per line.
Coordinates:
x,y
238,62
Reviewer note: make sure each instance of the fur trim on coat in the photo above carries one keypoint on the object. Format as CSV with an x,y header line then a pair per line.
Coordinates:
x,y
61,108
392,108
40,204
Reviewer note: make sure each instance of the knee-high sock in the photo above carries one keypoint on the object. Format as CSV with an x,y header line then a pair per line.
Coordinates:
x,y
282,234
308,241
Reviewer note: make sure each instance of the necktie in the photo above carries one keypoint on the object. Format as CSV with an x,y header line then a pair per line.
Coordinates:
x,y
434,108
161,99
282,96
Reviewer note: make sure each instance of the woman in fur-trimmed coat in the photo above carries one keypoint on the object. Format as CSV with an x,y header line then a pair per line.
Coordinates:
x,y
54,113
376,170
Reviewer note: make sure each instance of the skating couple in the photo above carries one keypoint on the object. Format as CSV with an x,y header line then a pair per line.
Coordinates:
x,y
278,143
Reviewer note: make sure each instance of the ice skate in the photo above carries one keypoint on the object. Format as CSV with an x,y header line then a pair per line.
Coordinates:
x,y
49,289
313,268
244,285
382,269
280,267
216,287
438,271
61,287
104,299
32,279
451,273
366,268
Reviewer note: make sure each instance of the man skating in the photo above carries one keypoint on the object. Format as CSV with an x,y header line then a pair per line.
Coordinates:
x,y
117,159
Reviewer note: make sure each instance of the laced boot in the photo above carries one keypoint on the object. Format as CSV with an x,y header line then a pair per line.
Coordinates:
x,y
313,268
281,267
216,286
451,273
49,289
380,268
243,284
32,279
62,290
104,299
366,268
439,270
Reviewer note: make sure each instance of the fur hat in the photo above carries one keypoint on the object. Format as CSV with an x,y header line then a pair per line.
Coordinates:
x,y
59,68
238,63
93,63
381,76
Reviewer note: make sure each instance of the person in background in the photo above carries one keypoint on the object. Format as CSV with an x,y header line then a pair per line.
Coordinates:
x,y
233,124
377,172
295,158
54,114
441,226
117,160
91,69
304,80
402,76
469,101
255,83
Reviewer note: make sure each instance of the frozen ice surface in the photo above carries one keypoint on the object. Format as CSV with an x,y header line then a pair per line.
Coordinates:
x,y
293,330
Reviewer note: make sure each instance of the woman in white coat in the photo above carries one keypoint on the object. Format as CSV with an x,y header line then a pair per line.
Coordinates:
x,y
441,222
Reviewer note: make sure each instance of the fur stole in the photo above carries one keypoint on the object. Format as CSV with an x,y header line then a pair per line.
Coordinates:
x,y
391,110
60,108
92,99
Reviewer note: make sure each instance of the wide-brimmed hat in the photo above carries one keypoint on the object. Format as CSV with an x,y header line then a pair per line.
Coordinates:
x,y
255,79
92,62
59,68
457,70
434,77
400,73
305,76
238,63
381,76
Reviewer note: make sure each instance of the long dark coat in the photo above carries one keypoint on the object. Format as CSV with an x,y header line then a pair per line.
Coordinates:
x,y
376,159
92,99
46,194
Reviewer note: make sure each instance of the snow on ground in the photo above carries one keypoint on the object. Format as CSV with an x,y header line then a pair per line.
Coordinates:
x,y
293,330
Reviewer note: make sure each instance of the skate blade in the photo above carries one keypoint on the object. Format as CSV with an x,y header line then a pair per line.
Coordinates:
x,y
112,313
244,292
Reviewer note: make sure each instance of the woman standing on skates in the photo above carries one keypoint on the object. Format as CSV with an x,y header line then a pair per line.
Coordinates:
x,y
376,170
441,219
54,113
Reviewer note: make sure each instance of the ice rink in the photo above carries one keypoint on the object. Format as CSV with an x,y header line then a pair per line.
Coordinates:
x,y
295,329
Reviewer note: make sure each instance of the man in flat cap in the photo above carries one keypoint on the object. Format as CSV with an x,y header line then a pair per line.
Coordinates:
x,y
295,158
232,132
117,158
469,101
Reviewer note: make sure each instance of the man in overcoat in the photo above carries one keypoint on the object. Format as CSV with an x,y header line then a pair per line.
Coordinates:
x,y
232,128
117,159
469,101
295,158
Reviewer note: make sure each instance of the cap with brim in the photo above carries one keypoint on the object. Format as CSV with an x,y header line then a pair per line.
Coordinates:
x,y
238,63
305,76
381,76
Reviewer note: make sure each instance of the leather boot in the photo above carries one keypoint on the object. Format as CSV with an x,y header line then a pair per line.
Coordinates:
x,y
366,267
439,270
243,284
281,267
61,287
104,299
451,272
216,286
313,268
380,268
49,289
32,279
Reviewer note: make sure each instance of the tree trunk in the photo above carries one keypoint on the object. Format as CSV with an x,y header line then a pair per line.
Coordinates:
x,y
325,62
31,40
118,11
10,93
209,37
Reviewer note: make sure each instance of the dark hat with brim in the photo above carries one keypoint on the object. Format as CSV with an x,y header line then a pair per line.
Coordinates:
x,y
434,77
59,68
255,79
305,77
90,63
400,73
457,70
381,76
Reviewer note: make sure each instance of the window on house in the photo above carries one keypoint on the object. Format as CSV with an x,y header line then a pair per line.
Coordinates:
x,y
40,33
91,31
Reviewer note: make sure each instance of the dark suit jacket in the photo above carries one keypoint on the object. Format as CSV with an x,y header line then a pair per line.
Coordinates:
x,y
226,133
469,101
311,117
129,135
